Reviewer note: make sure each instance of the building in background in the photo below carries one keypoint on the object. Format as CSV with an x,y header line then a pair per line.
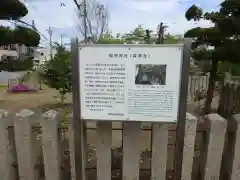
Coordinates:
x,y
16,52
42,55
8,51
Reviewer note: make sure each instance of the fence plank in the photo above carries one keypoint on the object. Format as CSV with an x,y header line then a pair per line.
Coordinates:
x,y
159,151
50,145
131,150
103,150
189,142
216,139
5,154
23,140
235,174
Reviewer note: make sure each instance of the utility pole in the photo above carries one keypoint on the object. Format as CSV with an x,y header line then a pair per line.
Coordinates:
x,y
61,40
33,24
50,41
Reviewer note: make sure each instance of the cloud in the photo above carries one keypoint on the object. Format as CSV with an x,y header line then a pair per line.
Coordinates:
x,y
124,15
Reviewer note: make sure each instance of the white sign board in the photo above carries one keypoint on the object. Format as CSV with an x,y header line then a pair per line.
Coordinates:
x,y
131,83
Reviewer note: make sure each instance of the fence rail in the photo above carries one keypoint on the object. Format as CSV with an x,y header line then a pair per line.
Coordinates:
x,y
229,101
36,147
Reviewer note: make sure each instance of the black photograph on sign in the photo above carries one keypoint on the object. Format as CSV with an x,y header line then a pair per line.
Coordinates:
x,y
150,74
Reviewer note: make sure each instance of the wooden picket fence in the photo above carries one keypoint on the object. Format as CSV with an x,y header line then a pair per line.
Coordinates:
x,y
197,82
38,147
229,100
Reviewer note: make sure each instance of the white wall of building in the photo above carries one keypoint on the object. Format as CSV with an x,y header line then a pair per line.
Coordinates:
x,y
18,51
5,76
9,50
42,55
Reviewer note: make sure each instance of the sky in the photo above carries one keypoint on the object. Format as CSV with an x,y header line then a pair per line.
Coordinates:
x,y
124,15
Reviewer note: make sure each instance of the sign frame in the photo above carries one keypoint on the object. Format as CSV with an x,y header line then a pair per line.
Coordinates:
x,y
182,103
184,60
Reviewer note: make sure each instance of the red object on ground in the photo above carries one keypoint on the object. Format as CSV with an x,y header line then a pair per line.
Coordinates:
x,y
20,88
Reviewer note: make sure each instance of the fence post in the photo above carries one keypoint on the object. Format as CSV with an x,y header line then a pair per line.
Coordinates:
x,y
235,174
131,150
23,140
50,144
103,150
216,140
159,150
189,143
5,155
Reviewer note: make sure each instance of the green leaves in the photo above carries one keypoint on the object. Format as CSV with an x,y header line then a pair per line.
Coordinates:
x,y
26,36
21,35
12,10
194,13
6,36
58,72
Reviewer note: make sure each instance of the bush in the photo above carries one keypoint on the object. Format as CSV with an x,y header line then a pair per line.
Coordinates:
x,y
57,73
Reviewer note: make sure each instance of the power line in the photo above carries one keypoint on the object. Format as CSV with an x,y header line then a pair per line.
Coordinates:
x,y
35,8
34,28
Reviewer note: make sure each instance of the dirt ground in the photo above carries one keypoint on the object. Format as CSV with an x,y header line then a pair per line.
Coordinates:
x,y
35,100
47,98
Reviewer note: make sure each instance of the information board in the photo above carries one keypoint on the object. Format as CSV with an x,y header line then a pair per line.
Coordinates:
x,y
130,83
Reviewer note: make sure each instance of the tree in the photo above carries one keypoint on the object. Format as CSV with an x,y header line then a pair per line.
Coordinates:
x,y
146,36
14,10
96,19
138,34
26,36
57,73
217,43
170,39
108,38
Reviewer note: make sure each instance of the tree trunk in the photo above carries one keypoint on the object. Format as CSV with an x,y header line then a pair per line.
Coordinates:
x,y
211,88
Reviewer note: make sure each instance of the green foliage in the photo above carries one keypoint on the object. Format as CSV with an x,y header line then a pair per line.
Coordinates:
x,y
6,35
12,10
235,69
20,35
169,39
138,34
26,36
193,12
223,38
108,38
16,65
199,95
57,72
